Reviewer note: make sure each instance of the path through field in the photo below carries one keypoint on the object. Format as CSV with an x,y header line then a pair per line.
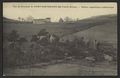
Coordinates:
x,y
62,70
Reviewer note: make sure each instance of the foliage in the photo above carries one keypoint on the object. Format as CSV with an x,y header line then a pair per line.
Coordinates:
x,y
37,52
42,32
34,38
13,36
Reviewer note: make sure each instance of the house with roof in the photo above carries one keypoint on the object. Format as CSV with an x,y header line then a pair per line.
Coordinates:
x,y
41,21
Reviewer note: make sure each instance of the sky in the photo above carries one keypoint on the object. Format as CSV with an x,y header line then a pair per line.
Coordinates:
x,y
55,11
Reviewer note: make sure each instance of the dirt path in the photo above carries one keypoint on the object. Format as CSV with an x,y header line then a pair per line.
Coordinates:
x,y
62,70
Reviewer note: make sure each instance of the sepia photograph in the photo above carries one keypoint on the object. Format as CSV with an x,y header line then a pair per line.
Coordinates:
x,y
59,39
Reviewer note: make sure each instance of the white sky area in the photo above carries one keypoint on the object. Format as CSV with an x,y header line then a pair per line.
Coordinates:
x,y
10,10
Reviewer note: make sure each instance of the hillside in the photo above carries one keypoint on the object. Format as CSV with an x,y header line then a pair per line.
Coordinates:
x,y
61,29
102,32
6,20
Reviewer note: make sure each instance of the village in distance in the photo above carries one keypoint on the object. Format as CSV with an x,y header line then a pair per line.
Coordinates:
x,y
31,19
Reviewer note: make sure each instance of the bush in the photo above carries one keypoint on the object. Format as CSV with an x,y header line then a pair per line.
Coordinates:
x,y
43,51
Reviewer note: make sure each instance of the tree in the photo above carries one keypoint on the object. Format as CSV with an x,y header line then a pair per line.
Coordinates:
x,y
30,18
22,19
56,38
77,19
42,32
19,18
67,19
34,38
61,20
13,36
22,40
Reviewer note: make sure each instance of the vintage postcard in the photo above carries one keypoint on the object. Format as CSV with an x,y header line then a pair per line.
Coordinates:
x,y
60,39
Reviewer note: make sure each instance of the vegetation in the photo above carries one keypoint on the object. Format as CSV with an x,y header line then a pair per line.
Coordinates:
x,y
46,47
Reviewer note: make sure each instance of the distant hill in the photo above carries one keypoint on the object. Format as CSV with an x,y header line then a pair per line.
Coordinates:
x,y
104,31
6,20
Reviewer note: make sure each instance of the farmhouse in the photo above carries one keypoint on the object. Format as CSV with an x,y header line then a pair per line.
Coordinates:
x,y
41,21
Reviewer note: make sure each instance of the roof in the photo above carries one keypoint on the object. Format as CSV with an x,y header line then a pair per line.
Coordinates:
x,y
39,19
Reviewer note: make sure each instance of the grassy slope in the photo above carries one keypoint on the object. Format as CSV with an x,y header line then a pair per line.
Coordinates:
x,y
101,23
104,31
